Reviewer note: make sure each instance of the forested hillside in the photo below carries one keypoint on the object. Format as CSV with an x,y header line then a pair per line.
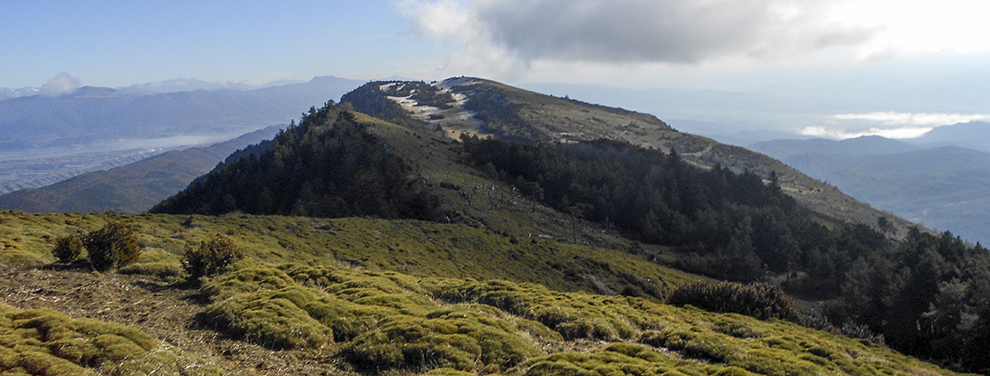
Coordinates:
x,y
927,295
327,166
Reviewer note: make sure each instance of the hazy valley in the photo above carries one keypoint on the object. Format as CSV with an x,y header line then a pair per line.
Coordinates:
x,y
46,139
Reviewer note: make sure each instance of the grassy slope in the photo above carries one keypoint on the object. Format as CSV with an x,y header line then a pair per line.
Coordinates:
x,y
415,247
381,321
305,264
412,296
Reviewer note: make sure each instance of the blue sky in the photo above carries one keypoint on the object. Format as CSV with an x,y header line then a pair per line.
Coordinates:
x,y
119,43
857,49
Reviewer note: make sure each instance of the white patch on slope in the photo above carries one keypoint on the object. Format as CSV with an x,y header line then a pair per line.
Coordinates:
x,y
423,112
385,87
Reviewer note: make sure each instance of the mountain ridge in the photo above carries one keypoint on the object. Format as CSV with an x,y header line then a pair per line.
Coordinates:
x,y
545,118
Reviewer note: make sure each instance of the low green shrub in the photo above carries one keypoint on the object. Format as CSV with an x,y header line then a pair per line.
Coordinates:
x,y
68,248
456,338
615,359
112,246
43,342
691,344
390,323
211,257
758,300
247,277
273,318
569,314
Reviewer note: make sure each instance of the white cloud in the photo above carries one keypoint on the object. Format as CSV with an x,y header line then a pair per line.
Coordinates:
x,y
896,125
914,26
916,119
460,28
511,38
63,83
630,31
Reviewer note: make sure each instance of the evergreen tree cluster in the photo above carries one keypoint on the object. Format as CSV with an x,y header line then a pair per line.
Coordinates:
x,y
326,166
736,223
928,295
112,246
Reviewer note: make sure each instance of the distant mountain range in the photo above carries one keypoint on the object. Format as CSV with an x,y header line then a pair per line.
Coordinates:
x,y
973,135
184,84
132,188
942,187
47,136
867,145
93,117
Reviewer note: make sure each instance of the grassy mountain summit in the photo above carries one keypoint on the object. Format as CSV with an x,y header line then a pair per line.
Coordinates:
x,y
486,108
361,244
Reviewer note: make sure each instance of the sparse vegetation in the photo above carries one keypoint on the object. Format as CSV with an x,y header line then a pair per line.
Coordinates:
x,y
68,248
113,246
211,257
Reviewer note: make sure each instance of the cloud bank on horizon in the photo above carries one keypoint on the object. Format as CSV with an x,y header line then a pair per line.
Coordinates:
x,y
898,125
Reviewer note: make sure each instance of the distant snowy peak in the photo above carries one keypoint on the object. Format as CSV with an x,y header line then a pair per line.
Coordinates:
x,y
7,93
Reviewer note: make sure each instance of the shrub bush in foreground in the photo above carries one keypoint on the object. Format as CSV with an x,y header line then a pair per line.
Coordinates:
x,y
68,248
112,246
211,257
